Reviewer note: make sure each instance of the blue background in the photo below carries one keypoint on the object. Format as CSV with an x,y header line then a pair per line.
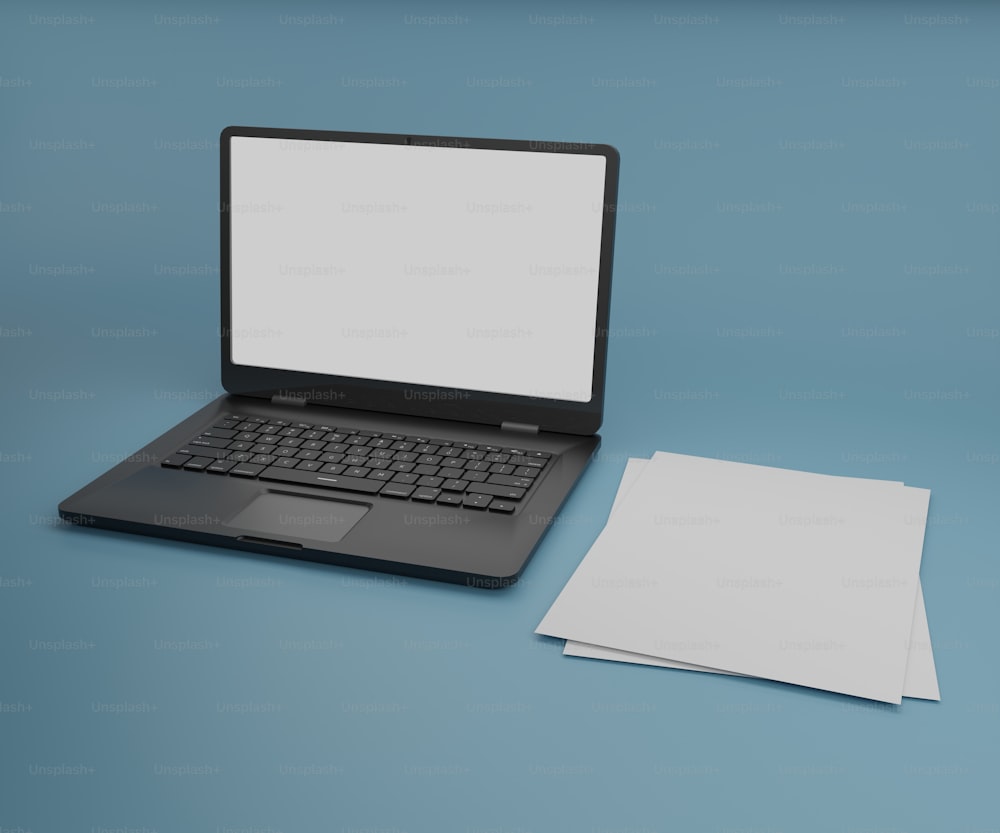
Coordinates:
x,y
805,276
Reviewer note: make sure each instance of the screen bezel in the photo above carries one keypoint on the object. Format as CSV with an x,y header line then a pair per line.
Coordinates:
x,y
420,400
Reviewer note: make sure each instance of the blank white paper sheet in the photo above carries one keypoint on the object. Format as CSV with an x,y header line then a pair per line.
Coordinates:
x,y
920,681
802,578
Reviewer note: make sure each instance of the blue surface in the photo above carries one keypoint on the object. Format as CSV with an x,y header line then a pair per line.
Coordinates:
x,y
805,276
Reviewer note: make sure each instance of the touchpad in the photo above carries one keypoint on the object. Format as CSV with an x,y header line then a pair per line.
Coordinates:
x,y
279,516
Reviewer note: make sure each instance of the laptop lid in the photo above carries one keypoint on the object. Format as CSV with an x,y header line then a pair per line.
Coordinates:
x,y
435,276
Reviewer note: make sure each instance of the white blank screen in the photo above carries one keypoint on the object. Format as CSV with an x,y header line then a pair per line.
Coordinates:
x,y
450,267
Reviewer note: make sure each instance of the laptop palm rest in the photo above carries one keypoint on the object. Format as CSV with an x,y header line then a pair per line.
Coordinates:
x,y
277,517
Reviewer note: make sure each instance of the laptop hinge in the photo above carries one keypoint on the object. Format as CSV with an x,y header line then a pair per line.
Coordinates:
x,y
285,399
522,427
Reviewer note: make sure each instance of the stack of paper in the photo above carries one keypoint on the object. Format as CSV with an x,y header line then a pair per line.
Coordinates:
x,y
710,565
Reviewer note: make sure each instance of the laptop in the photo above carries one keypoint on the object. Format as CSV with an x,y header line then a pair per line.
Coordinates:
x,y
413,338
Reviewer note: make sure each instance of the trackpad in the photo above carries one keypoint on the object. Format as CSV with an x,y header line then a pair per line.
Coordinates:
x,y
279,516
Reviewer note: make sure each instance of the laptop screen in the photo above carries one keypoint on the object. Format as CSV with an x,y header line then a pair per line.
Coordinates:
x,y
452,267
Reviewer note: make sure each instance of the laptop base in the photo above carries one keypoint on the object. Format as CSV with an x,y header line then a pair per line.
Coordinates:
x,y
474,548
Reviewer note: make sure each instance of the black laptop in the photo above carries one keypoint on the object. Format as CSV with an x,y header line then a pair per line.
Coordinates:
x,y
414,333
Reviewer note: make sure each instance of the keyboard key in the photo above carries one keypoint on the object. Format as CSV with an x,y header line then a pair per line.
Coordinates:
x,y
453,463
426,448
429,459
357,471
335,448
330,458
210,442
326,481
401,466
432,482
354,460
545,455
376,463
240,446
425,494
333,468
311,435
522,471
227,423
211,453
404,478
469,454
401,445
263,459
454,485
429,471
448,451
450,499
474,476
221,466
246,470
269,429
504,506
308,465
380,442
290,431
506,492
175,461
221,433
477,465
307,455
397,490
268,439
476,501
507,480
503,468
382,474
287,462
247,436
496,458
405,456
369,434
284,451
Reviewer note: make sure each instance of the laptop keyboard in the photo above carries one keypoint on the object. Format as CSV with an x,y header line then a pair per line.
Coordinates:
x,y
425,469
